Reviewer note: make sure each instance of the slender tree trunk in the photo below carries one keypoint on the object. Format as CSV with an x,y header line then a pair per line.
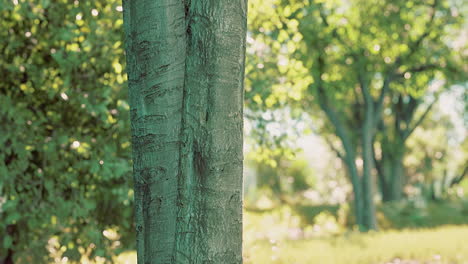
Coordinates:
x,y
357,190
392,172
398,175
384,173
349,158
368,165
185,65
391,177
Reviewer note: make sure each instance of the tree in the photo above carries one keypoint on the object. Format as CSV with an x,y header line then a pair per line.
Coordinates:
x,y
186,67
413,96
378,67
437,158
65,155
390,143
358,55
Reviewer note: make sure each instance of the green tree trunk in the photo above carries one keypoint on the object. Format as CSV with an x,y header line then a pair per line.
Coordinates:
x,y
391,169
368,128
368,165
185,63
349,156
350,162
384,172
393,137
398,176
391,178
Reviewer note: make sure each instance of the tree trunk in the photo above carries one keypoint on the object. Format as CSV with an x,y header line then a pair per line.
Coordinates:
x,y
392,172
384,173
397,179
185,66
357,190
368,165
349,158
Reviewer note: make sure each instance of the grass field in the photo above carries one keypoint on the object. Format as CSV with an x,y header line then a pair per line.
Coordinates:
x,y
440,245
280,238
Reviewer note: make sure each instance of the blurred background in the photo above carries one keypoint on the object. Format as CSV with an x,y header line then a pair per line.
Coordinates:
x,y
356,148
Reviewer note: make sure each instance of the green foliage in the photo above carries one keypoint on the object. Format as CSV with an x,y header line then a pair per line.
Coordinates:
x,y
309,213
65,158
284,177
345,44
273,77
400,215
274,83
417,213
301,176
436,158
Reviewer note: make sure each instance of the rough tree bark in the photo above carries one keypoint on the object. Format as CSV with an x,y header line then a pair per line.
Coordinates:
x,y
185,62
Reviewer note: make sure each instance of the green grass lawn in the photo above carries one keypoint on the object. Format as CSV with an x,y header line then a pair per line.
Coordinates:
x,y
280,237
439,245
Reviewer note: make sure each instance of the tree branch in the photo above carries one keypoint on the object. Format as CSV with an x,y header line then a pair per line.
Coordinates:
x,y
368,100
379,103
334,30
378,166
417,69
324,104
336,150
414,45
412,49
459,178
411,129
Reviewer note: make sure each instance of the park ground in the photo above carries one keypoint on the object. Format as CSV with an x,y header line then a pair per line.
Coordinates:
x,y
284,236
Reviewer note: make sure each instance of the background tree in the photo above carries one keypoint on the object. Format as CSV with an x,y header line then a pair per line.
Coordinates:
x,y
275,155
438,64
436,159
186,70
360,56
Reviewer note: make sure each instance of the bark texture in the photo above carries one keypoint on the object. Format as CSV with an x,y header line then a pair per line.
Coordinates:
x,y
186,69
